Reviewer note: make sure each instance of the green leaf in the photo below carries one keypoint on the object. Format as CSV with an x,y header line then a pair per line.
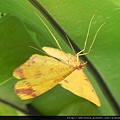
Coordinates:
x,y
6,110
22,29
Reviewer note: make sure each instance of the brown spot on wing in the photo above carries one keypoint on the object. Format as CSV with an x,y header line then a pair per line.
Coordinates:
x,y
86,79
93,90
66,81
32,59
28,91
19,72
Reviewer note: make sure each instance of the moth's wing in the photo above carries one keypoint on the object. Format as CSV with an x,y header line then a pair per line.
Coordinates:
x,y
66,58
59,54
41,73
78,83
31,88
38,66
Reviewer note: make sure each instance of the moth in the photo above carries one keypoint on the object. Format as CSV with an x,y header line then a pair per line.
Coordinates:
x,y
41,73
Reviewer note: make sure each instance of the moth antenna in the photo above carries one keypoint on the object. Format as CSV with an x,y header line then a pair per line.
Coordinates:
x,y
37,49
49,31
70,44
79,53
88,31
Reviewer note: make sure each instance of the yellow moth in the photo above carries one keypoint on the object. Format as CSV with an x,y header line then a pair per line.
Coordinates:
x,y
41,73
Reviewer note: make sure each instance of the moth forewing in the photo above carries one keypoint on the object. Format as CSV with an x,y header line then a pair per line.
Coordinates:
x,y
66,58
